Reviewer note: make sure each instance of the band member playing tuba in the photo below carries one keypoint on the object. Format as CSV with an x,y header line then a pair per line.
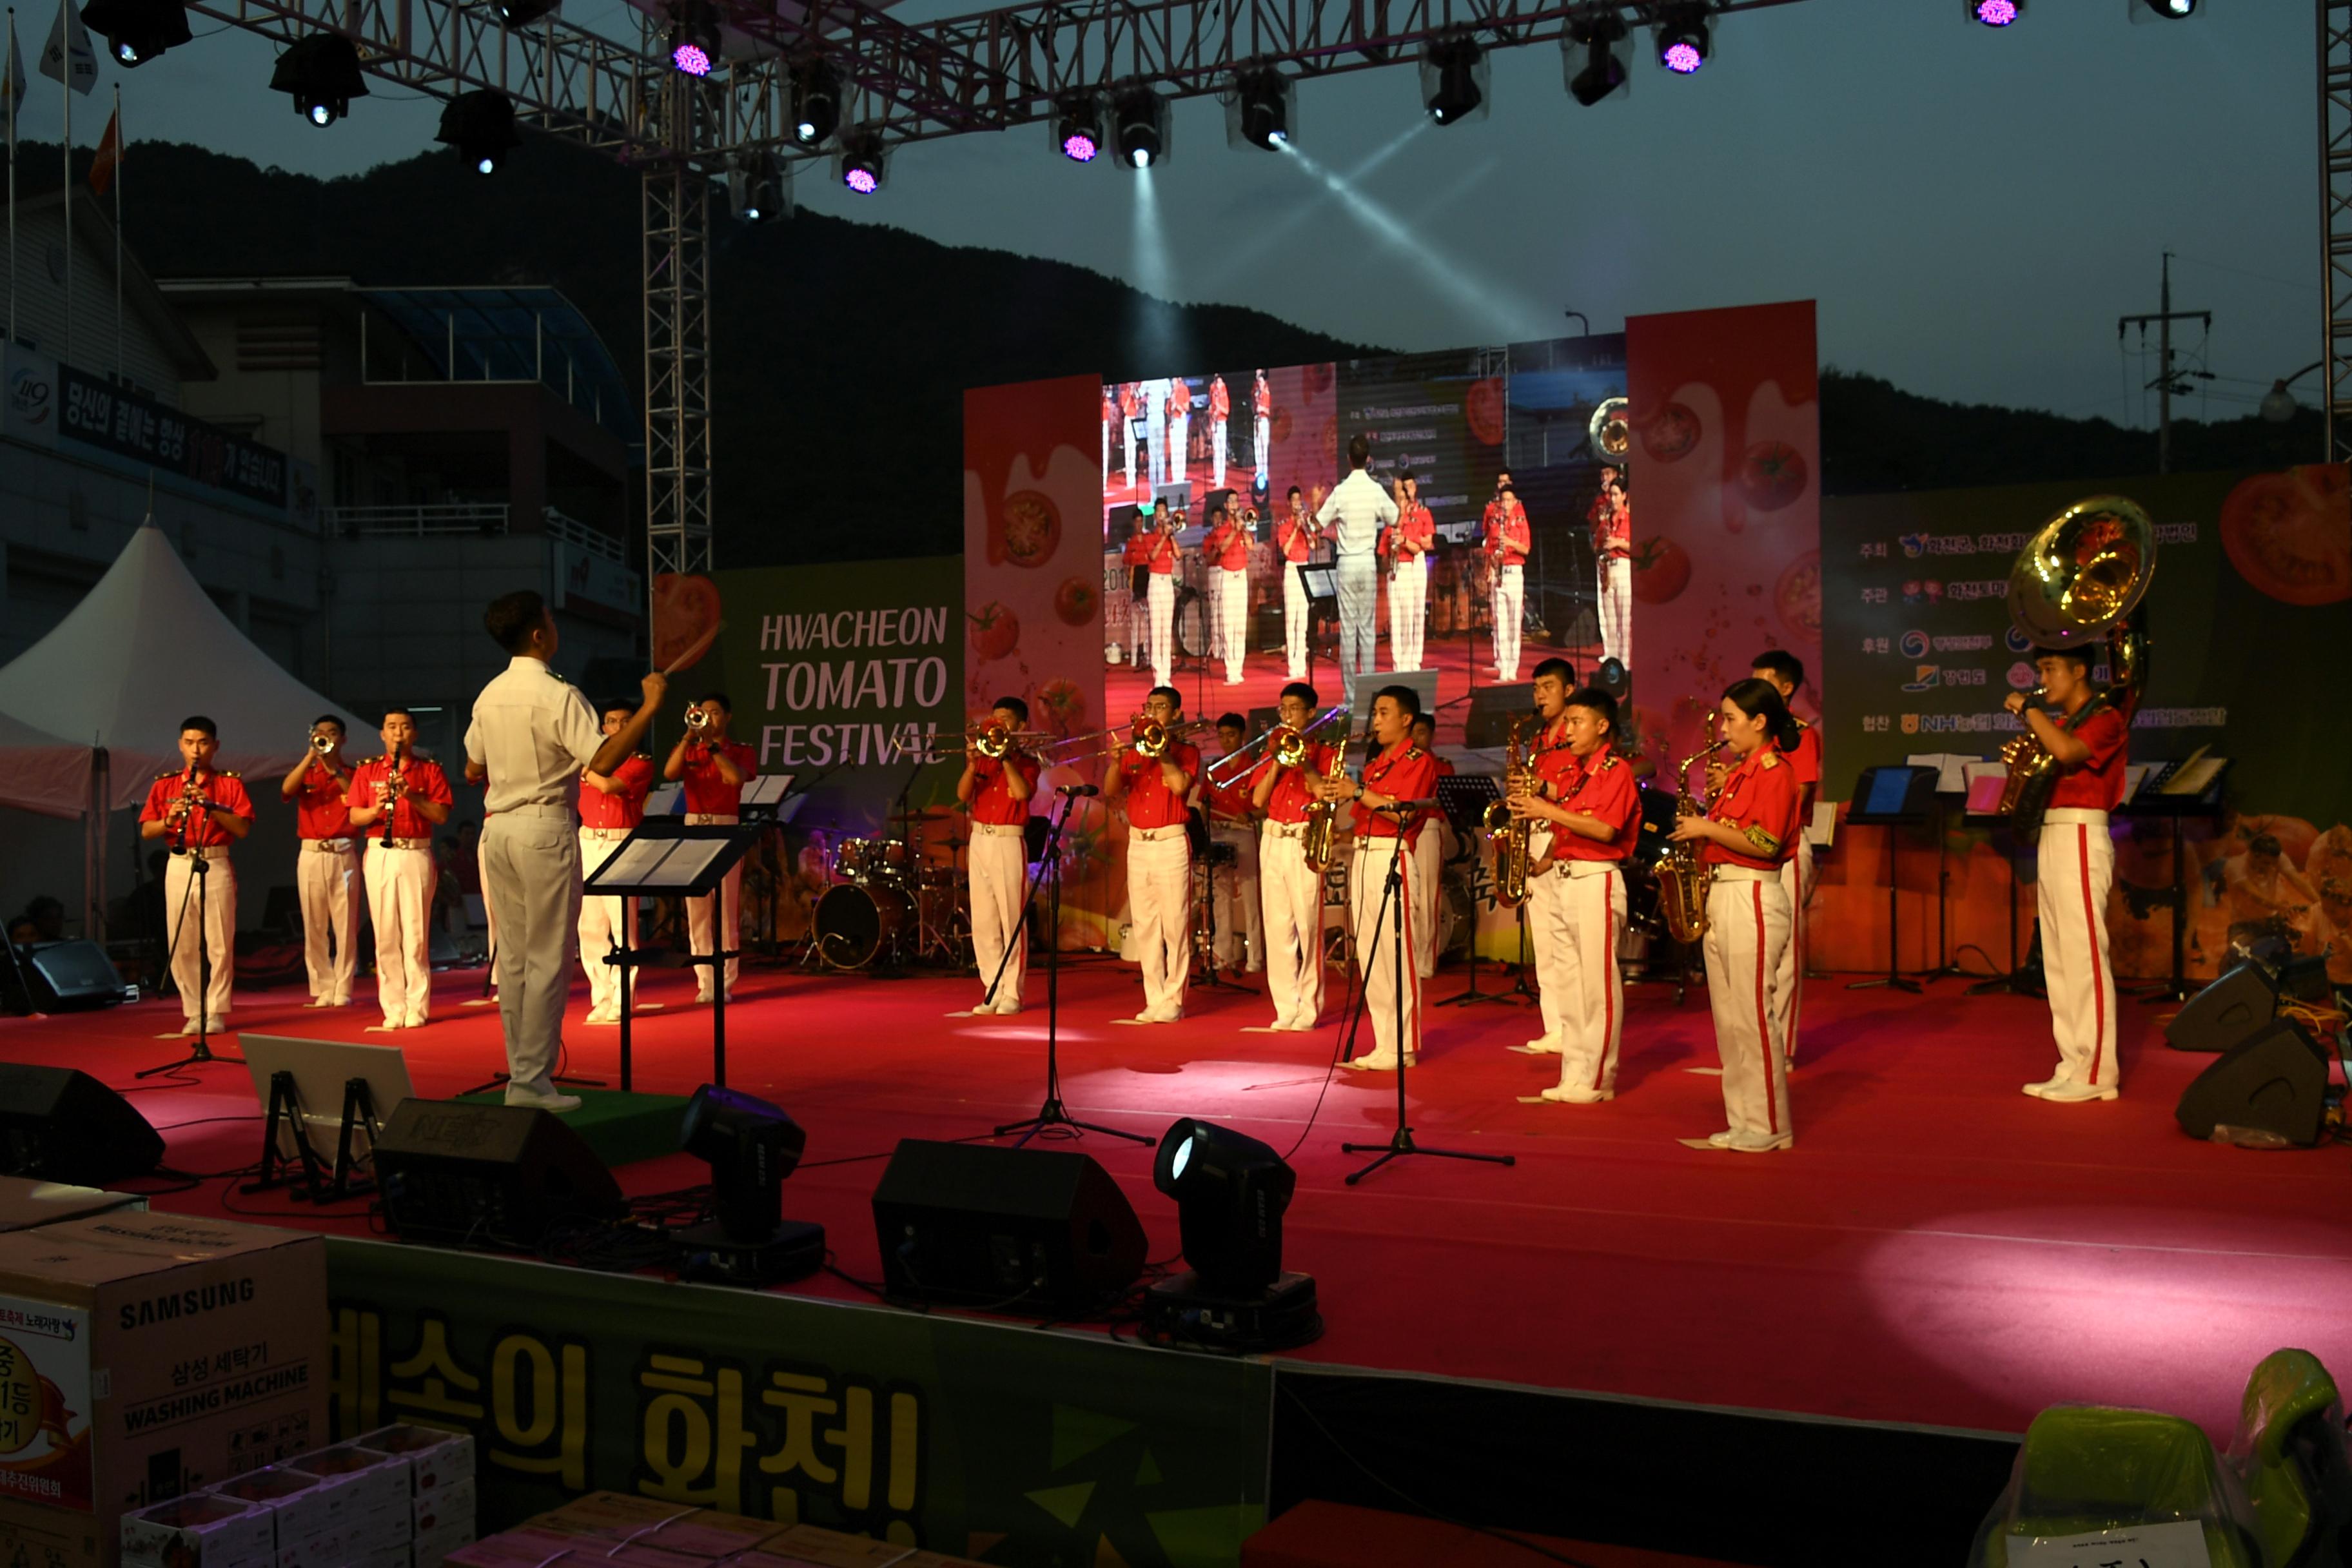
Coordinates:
x,y
1282,787
1154,775
2076,861
1586,796
1749,828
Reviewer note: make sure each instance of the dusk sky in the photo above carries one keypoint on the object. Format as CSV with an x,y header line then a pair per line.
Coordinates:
x,y
1972,209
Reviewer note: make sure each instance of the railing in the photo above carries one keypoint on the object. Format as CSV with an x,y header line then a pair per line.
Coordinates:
x,y
416,522
594,541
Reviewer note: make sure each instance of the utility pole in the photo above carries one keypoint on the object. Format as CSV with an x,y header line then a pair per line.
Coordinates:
x,y
2166,382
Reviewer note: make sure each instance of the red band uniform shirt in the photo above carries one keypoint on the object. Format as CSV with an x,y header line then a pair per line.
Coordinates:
x,y
1579,904
327,884
1291,893
2076,858
998,860
605,820
1403,772
211,944
401,876
711,799
1804,761
1747,927
1160,879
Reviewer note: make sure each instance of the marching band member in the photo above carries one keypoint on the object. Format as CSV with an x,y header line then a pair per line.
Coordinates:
x,y
1179,422
1576,911
715,769
612,806
1295,537
1749,828
1293,889
1130,404
1505,539
403,797
1159,857
1227,548
1786,673
1220,406
1110,414
203,813
1141,536
1160,562
1401,772
997,791
1260,422
327,870
1235,887
2076,864
1613,552
1410,542
1430,850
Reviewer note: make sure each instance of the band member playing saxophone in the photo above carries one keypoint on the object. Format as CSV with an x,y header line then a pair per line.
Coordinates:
x,y
1402,771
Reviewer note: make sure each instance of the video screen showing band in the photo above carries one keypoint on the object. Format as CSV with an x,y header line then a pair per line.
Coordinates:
x,y
1490,528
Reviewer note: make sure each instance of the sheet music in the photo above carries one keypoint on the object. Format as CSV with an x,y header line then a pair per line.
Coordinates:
x,y
767,789
1822,830
636,862
688,859
1951,769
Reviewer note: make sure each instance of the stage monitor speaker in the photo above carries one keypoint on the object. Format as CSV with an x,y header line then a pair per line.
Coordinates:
x,y
1611,676
1492,709
2242,1000
2274,1080
69,974
482,1175
978,1225
61,1125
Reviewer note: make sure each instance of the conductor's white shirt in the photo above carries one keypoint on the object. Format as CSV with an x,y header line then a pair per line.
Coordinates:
x,y
533,731
1361,508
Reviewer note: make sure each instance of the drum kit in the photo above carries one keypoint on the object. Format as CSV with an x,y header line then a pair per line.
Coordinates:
x,y
890,905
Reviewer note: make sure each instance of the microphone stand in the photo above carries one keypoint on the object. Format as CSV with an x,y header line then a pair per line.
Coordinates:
x,y
1053,1112
198,868
1401,1141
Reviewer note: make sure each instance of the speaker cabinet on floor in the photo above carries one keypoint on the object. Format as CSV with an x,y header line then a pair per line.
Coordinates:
x,y
64,976
978,1226
61,1125
463,1174
2276,1080
2242,1000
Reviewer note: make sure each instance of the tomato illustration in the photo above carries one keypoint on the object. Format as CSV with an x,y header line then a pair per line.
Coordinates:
x,y
995,631
1798,596
1318,377
1077,601
1661,570
2290,534
1483,407
1279,425
1031,527
685,609
1670,434
1772,475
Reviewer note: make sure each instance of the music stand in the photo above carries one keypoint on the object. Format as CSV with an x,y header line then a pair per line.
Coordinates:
x,y
1981,809
1892,798
2153,801
1463,798
667,856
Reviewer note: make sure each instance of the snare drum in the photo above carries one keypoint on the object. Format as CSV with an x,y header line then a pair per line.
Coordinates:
x,y
864,861
854,923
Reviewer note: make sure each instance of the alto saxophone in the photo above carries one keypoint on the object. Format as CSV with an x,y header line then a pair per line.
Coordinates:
x,y
1510,834
1323,816
1684,881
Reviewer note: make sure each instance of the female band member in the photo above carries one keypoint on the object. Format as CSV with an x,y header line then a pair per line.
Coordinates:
x,y
1749,828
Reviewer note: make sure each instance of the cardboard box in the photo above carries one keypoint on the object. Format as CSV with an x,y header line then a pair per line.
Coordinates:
x,y
429,1550
364,1483
610,1516
181,1352
441,1507
807,1545
529,1547
435,1458
28,1204
710,1535
199,1531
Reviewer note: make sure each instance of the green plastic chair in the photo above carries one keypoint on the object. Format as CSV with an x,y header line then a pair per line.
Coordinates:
x,y
2298,1514
2089,1466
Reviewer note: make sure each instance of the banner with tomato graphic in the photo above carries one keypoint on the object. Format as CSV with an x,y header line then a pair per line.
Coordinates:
x,y
1725,504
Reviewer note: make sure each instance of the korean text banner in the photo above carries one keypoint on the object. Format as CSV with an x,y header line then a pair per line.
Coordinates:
x,y
962,1436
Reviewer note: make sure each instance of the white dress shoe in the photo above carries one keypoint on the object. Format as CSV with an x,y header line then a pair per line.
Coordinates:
x,y
542,1101
1542,1045
1721,1140
2074,1092
2037,1090
1760,1142
1578,1096
1378,1061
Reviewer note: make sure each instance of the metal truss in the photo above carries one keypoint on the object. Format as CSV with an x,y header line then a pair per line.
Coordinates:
x,y
676,213
2335,220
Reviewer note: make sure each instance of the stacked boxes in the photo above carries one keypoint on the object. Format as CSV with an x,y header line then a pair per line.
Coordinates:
x,y
438,1491
199,1531
613,1530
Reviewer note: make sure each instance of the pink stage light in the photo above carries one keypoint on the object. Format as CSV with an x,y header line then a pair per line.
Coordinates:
x,y
1080,147
691,58
862,181
1681,58
1996,13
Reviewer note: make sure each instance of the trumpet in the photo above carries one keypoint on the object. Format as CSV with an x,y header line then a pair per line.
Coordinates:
x,y
697,719
322,743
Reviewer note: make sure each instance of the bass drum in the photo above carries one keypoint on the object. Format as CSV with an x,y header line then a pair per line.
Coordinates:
x,y
854,924
1191,623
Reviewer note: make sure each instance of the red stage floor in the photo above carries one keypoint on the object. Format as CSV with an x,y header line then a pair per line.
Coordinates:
x,y
1937,1248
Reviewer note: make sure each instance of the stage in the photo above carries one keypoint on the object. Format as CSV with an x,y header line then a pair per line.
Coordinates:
x,y
1938,1251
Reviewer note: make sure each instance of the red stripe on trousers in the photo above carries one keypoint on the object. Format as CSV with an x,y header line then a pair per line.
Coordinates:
x,y
1608,968
2090,934
1411,963
1764,1019
1796,964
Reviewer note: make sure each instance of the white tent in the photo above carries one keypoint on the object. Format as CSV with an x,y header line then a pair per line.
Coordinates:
x,y
40,772
145,648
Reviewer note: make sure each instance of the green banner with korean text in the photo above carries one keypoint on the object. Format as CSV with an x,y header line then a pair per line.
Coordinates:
x,y
977,1439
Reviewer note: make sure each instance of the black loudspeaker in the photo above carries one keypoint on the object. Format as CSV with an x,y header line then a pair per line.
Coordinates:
x,y
69,974
2244,999
2276,1080
61,1125
487,1175
970,1224
1492,709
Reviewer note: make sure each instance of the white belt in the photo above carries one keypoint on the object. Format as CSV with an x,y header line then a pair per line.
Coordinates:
x,y
1150,834
706,818
1285,830
1588,867
401,843
606,835
1000,829
2070,815
562,813
202,852
327,845
1381,841
1744,874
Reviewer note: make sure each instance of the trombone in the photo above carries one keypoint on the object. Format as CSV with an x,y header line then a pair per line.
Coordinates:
x,y
1149,737
993,741
1288,745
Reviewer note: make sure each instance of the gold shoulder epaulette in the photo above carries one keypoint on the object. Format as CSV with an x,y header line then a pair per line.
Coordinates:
x,y
1412,752
173,773
1608,762
1770,760
224,772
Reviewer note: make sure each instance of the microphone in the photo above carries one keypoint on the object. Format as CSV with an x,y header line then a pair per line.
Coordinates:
x,y
1402,805
1075,790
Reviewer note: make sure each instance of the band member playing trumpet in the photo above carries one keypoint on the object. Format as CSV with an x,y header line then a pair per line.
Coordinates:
x,y
1505,540
1749,828
1295,537
2076,862
1226,550
1585,795
202,813
1410,542
1159,562
1293,890
611,806
1227,793
1786,673
715,769
327,870
403,797
1401,772
997,790
1156,781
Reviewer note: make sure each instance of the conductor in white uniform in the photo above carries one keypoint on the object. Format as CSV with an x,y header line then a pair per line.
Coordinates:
x,y
530,736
